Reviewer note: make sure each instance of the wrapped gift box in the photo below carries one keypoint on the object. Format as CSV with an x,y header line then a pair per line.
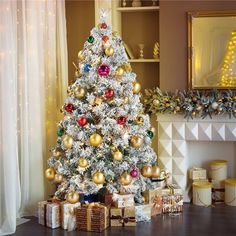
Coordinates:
x,y
143,212
151,194
68,215
156,205
49,214
172,188
108,200
123,200
92,217
197,173
123,216
172,203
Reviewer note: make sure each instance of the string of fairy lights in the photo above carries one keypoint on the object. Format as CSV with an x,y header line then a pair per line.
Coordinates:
x,y
227,75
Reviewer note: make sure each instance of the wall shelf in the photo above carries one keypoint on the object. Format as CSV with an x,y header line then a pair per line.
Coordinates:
x,y
144,60
136,9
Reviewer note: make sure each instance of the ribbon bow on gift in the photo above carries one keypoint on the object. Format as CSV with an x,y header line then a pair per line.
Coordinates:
x,y
122,219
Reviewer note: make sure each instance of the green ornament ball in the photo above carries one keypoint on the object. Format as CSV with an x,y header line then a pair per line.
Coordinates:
x,y
60,131
90,39
150,134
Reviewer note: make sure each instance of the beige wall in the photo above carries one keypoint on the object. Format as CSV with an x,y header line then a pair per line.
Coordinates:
x,y
80,18
173,38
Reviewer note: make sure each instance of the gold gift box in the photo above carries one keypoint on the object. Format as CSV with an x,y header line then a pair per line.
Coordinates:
x,y
197,173
123,216
151,194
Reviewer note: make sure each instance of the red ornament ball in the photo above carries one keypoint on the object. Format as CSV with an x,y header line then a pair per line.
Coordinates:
x,y
134,173
69,107
82,121
121,120
109,93
103,25
105,38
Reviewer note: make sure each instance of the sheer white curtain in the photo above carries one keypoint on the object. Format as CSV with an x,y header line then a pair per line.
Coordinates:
x,y
33,80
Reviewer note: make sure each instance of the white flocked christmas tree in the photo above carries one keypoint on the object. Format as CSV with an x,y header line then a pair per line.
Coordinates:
x,y
104,140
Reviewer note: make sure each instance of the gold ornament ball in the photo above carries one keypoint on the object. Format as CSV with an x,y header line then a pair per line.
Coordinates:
x,y
79,92
119,71
156,171
67,141
113,148
83,162
56,153
50,173
126,100
125,179
109,51
136,142
234,98
95,139
147,171
127,67
58,178
156,102
98,178
72,197
136,87
167,104
80,55
117,155
177,108
139,120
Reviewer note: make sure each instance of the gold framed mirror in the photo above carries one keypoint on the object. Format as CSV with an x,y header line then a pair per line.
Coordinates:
x,y
212,50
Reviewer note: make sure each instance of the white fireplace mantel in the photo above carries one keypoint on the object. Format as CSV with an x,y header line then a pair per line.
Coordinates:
x,y
174,133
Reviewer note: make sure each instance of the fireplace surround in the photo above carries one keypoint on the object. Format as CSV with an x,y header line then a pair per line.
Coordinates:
x,y
174,134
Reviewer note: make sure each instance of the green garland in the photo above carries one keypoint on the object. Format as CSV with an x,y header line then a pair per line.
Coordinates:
x,y
190,103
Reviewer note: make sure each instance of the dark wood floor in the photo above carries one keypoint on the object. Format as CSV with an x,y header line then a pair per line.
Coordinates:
x,y
195,221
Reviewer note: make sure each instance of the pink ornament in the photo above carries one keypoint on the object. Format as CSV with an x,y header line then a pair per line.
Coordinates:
x,y
134,173
103,70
